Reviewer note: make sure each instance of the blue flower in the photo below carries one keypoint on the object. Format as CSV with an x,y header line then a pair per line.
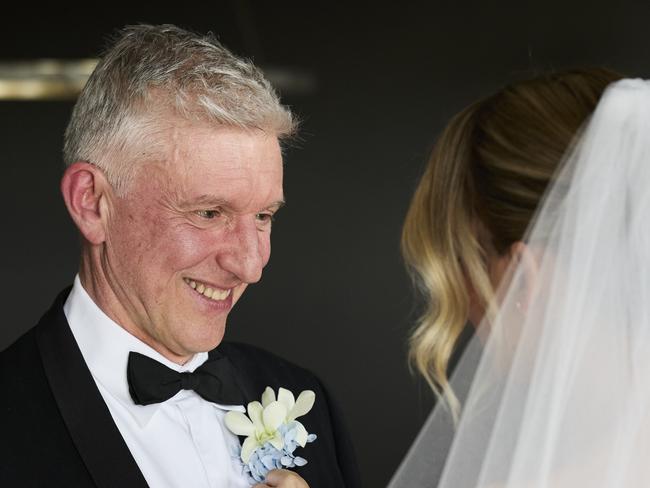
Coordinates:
x,y
273,433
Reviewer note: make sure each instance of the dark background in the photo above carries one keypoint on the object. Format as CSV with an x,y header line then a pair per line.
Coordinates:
x,y
335,297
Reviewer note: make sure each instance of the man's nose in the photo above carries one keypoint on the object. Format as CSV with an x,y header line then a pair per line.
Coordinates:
x,y
244,253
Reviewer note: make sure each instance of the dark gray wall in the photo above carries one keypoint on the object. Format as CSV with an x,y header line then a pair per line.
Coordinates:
x,y
335,297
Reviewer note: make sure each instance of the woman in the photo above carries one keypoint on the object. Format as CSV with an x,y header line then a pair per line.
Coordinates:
x,y
547,252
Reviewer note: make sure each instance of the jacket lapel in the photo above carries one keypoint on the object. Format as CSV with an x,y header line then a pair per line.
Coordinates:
x,y
242,376
84,412
255,371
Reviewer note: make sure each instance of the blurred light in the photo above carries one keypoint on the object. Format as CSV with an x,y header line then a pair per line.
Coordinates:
x,y
44,79
57,79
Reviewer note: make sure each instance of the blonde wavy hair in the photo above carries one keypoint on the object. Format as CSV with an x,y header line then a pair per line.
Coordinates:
x,y
482,184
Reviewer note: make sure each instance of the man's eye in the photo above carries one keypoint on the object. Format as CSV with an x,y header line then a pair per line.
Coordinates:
x,y
264,217
208,214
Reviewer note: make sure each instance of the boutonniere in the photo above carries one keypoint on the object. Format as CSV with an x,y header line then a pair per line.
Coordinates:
x,y
272,432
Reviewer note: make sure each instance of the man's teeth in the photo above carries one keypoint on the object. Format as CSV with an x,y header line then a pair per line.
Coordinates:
x,y
214,294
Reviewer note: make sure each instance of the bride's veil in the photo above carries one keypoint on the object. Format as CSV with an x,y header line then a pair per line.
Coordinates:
x,y
557,394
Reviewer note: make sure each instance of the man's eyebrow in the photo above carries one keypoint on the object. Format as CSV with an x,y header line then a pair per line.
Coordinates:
x,y
278,205
211,200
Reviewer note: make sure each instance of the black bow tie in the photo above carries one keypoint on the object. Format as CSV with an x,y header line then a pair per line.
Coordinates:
x,y
153,382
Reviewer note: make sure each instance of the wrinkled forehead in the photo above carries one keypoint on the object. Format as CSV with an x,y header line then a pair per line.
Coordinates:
x,y
194,159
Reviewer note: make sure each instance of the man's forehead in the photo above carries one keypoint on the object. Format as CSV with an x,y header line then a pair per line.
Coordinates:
x,y
215,165
176,133
184,134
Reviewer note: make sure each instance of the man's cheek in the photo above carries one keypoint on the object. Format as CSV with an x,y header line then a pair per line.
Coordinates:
x,y
265,250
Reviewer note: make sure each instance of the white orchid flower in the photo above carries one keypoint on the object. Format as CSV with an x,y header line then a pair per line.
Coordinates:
x,y
264,420
295,408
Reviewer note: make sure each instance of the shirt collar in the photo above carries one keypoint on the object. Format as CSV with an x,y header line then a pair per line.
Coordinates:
x,y
105,347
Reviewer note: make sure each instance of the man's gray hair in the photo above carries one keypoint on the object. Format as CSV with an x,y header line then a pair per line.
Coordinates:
x,y
155,72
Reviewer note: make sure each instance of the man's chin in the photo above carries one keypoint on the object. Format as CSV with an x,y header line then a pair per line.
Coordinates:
x,y
193,335
207,342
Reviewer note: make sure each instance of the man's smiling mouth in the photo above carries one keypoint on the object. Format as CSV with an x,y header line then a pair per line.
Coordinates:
x,y
213,293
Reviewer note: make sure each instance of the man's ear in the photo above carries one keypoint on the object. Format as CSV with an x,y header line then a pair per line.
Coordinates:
x,y
84,188
522,255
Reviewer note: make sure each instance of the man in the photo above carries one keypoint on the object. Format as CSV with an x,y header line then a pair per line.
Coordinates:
x,y
173,175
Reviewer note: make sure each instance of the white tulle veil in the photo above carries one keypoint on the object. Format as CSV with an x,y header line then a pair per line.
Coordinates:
x,y
558,394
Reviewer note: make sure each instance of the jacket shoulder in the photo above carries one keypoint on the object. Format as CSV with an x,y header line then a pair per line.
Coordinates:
x,y
264,365
25,346
18,358
255,353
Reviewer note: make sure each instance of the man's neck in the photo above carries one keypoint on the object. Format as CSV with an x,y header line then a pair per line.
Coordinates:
x,y
97,286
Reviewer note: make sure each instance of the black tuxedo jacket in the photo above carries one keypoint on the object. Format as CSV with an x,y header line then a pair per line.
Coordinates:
x,y
56,430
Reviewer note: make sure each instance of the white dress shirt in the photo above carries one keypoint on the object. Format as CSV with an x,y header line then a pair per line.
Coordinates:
x,y
180,443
